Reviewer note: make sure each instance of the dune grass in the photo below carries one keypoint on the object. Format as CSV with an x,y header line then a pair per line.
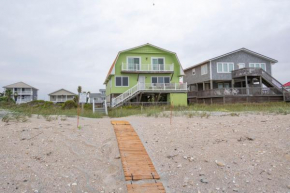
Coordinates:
x,y
201,110
47,110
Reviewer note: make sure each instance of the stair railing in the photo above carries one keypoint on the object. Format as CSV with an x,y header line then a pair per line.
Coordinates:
x,y
125,95
272,80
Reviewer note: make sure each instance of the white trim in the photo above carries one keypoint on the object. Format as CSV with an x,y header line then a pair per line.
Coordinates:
x,y
240,64
158,64
133,57
260,64
223,71
206,69
122,81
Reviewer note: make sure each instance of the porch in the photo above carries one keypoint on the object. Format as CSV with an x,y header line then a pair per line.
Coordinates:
x,y
147,68
236,95
61,98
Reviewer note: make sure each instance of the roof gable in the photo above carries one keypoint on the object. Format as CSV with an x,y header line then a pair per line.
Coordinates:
x,y
233,52
145,48
19,85
62,92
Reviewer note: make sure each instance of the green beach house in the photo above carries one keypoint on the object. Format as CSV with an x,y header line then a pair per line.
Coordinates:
x,y
146,74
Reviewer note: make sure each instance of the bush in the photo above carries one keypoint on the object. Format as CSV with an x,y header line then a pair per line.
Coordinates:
x,y
3,99
88,106
70,104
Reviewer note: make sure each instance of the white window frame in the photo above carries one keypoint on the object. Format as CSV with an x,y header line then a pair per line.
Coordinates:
x,y
122,81
228,65
157,58
157,79
133,57
242,64
201,71
260,65
193,72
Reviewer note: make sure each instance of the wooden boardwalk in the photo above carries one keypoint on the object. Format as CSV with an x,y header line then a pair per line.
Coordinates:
x,y
136,162
148,188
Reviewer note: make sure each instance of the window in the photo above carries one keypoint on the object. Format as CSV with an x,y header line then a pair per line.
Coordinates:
x,y
241,65
258,65
193,71
160,79
223,85
225,67
134,63
122,81
158,63
204,69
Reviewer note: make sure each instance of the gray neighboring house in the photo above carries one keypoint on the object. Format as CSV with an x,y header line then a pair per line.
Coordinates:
x,y
241,72
61,96
98,97
25,93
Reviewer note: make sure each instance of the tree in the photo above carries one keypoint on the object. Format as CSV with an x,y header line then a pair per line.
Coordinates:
x,y
79,89
8,94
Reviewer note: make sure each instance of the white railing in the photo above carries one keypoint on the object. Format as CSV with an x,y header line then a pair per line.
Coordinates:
x,y
25,100
60,100
24,93
147,67
149,87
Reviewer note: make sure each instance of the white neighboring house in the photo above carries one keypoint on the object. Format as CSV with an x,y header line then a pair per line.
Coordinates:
x,y
61,96
98,97
24,92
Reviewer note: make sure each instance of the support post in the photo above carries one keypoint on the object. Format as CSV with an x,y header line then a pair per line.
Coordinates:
x,y
203,85
247,86
261,85
211,84
93,105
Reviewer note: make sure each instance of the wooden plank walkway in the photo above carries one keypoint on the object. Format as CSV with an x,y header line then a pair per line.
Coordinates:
x,y
137,164
146,188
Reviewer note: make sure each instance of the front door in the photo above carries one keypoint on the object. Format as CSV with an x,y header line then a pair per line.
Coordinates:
x,y
141,82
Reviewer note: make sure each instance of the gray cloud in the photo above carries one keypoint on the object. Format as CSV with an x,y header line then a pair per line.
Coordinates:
x,y
63,44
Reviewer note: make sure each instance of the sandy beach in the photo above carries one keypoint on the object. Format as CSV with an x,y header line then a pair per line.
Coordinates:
x,y
244,153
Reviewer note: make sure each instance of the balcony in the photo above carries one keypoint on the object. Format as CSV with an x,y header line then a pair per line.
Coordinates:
x,y
147,68
247,72
251,91
23,92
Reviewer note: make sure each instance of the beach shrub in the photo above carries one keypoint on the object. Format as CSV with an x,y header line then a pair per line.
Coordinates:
x,y
88,106
70,104
3,99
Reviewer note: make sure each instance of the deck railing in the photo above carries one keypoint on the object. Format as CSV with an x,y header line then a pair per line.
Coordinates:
x,y
247,72
258,72
251,91
158,87
147,67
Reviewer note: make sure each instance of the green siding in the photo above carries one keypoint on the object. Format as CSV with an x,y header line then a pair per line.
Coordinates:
x,y
177,99
146,53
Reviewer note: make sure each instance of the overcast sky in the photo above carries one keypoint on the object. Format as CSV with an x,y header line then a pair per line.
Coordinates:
x,y
62,44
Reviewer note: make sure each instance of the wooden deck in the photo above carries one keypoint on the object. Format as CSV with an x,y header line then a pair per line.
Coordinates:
x,y
146,188
137,164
